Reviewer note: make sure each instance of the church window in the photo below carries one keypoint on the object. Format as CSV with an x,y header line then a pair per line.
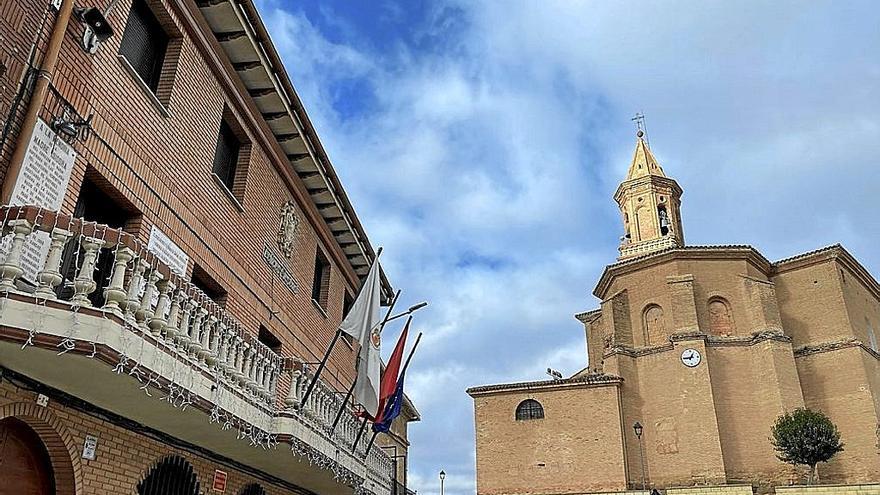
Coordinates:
x,y
172,474
872,337
720,317
655,332
529,409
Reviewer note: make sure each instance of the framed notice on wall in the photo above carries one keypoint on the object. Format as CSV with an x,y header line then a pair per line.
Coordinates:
x,y
43,181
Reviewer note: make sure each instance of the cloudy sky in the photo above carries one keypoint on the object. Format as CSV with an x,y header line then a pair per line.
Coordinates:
x,y
481,143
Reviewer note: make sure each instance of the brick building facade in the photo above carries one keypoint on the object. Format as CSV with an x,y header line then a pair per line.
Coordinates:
x,y
704,347
178,255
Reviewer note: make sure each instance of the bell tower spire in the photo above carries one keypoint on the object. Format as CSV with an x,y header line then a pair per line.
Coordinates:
x,y
650,203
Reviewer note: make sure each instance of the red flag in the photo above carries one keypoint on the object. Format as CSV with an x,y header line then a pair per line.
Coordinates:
x,y
389,378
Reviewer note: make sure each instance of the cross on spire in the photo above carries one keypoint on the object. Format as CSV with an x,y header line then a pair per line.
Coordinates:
x,y
641,127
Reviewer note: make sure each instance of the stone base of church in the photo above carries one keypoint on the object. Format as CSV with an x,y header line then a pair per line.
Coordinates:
x,y
872,489
869,489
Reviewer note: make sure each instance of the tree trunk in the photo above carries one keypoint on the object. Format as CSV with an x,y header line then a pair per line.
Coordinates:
x,y
812,476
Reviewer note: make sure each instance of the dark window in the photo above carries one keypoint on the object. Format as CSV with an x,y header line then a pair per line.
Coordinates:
x,y
170,475
321,281
269,340
253,489
529,409
226,155
144,44
347,301
208,285
94,205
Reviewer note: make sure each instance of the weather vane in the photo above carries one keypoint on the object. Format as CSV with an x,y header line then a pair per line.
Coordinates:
x,y
641,127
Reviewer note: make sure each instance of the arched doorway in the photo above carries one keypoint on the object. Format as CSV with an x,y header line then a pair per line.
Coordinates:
x,y
25,467
172,475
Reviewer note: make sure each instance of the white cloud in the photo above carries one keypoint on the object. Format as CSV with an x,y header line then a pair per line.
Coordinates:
x,y
486,142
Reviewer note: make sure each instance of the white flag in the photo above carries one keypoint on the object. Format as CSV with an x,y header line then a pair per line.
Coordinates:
x,y
364,313
362,324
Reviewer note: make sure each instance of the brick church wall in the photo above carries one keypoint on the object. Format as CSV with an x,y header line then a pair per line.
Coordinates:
x,y
554,454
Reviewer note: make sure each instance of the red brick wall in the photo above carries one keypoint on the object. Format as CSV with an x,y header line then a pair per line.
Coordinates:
x,y
123,457
161,164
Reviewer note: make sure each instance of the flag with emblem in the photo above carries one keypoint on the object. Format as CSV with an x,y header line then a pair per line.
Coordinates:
x,y
363,325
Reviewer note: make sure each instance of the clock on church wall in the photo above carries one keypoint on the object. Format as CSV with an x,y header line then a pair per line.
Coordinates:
x,y
691,358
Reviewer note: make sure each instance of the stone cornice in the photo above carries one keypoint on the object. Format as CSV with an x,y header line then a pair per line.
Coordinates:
x,y
722,252
589,381
589,316
710,341
834,252
648,179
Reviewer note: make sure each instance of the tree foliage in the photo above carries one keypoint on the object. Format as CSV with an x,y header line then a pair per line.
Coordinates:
x,y
805,437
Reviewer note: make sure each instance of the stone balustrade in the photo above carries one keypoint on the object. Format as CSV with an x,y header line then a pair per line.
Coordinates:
x,y
178,319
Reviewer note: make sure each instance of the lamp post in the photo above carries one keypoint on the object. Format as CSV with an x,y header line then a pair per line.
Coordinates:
x,y
638,429
442,478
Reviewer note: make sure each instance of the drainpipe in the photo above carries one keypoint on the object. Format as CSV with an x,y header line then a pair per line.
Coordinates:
x,y
41,89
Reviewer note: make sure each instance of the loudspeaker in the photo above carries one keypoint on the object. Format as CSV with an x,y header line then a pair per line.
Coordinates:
x,y
96,22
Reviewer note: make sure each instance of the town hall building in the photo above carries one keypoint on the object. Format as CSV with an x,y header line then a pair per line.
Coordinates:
x,y
693,352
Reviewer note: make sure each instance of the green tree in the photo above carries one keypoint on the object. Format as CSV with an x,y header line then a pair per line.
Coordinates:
x,y
805,437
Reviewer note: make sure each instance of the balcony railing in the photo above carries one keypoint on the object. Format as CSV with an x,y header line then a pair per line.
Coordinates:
x,y
171,337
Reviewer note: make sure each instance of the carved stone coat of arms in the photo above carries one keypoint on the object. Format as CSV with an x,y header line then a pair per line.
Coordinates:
x,y
287,229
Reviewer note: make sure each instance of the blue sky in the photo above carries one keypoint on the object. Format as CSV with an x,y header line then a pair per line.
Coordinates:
x,y
481,143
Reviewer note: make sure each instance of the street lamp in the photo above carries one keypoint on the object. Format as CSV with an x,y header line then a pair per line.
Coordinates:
x,y
442,478
638,429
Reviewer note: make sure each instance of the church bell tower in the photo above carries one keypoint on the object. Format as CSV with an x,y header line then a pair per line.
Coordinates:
x,y
650,203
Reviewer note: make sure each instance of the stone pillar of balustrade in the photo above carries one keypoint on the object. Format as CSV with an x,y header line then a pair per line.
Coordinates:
x,y
114,294
145,313
183,330
159,321
172,326
84,283
292,399
241,363
222,345
11,269
232,353
132,301
209,333
50,276
195,333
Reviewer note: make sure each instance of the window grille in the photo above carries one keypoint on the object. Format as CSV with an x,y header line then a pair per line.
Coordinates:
x,y
171,476
529,409
253,489
144,44
226,155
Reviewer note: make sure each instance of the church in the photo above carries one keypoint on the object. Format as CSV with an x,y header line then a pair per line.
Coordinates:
x,y
693,352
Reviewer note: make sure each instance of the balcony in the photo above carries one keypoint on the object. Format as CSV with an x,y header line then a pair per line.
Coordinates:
x,y
158,351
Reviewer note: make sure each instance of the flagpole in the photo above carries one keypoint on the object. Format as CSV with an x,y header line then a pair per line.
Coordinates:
x,y
354,382
402,372
360,433
327,354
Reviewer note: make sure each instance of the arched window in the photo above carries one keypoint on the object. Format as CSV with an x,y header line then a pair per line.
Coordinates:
x,y
529,409
171,475
663,219
655,331
720,317
253,489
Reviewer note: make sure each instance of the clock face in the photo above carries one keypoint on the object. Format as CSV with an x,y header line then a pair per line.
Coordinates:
x,y
691,358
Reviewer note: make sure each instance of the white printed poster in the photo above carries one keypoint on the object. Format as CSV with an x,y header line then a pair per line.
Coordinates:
x,y
43,181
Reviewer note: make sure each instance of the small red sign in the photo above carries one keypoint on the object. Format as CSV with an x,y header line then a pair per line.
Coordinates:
x,y
220,481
